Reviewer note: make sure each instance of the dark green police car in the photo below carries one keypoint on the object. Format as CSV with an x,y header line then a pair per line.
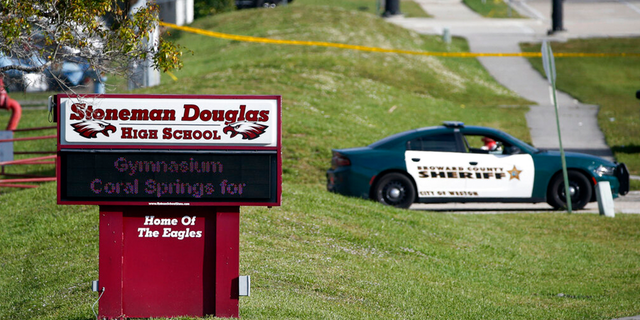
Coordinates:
x,y
458,163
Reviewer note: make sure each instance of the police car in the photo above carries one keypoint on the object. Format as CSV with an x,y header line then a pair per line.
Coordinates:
x,y
458,163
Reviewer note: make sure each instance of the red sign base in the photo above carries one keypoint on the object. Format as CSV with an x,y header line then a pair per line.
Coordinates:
x,y
168,261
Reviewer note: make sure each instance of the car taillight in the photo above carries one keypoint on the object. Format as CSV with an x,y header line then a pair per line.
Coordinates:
x,y
339,160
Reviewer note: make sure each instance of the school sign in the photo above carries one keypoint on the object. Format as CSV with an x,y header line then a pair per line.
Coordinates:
x,y
169,173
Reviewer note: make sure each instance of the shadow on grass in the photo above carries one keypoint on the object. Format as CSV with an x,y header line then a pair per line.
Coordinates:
x,y
505,210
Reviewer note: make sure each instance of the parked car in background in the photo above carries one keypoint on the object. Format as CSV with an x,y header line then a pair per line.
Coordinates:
x,y
17,80
242,4
56,77
458,163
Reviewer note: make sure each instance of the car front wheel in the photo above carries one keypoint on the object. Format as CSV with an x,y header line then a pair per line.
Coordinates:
x,y
579,188
395,189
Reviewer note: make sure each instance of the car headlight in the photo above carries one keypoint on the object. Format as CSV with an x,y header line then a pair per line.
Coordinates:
x,y
605,171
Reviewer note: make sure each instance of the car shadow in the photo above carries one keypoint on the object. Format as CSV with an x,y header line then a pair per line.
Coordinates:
x,y
497,208
490,210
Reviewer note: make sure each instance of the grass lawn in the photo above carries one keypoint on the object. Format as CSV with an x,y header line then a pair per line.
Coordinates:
x,y
610,83
408,7
492,8
411,9
336,98
326,256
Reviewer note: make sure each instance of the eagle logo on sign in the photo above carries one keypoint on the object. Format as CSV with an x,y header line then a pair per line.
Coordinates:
x,y
248,130
90,128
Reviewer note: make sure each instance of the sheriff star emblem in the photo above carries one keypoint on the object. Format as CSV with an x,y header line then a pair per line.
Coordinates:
x,y
514,173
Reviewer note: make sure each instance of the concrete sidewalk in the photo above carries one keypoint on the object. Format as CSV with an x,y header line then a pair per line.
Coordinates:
x,y
582,18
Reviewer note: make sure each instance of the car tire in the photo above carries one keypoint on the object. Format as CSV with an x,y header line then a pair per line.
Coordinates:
x,y
395,189
579,186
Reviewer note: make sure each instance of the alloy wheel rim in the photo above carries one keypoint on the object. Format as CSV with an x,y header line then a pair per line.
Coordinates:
x,y
394,192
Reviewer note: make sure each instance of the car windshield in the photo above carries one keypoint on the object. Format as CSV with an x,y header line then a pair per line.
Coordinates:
x,y
523,145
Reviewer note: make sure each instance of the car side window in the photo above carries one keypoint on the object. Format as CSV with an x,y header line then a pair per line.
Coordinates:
x,y
486,144
444,142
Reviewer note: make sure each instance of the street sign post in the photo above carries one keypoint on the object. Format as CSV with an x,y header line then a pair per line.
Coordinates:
x,y
550,70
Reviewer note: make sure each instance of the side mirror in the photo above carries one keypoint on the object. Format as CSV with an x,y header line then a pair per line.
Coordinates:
x,y
513,150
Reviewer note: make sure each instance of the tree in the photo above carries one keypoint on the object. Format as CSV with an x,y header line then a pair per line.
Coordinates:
x,y
37,35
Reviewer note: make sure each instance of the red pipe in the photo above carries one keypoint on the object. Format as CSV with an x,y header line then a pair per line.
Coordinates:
x,y
28,180
17,186
29,138
34,152
28,163
20,175
26,160
34,129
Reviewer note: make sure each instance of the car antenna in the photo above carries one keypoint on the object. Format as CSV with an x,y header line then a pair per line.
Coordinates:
x,y
453,124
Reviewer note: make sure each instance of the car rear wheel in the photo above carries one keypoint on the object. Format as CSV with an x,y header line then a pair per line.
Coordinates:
x,y
579,188
395,189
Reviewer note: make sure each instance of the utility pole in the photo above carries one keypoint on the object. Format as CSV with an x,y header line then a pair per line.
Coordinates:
x,y
556,16
391,7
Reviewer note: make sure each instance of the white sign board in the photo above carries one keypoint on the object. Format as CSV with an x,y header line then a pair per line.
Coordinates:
x,y
170,120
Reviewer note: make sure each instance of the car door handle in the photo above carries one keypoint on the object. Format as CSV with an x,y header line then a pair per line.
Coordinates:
x,y
473,163
415,159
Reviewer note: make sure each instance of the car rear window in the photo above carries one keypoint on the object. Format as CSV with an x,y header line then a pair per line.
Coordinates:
x,y
444,142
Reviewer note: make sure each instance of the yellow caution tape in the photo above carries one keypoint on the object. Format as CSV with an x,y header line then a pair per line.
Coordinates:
x,y
375,49
172,76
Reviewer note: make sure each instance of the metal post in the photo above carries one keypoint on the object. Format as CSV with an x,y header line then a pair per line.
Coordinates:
x,y
565,175
556,16
391,7
446,35
550,70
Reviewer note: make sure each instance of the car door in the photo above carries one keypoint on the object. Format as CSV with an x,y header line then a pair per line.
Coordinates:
x,y
434,162
501,171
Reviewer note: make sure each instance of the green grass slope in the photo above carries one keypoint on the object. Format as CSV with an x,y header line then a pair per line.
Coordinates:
x,y
408,7
336,98
326,256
